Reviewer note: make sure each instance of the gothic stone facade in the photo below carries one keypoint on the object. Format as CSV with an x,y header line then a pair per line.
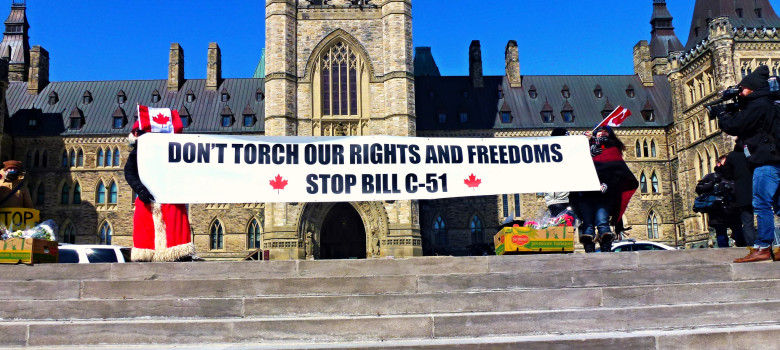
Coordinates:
x,y
61,129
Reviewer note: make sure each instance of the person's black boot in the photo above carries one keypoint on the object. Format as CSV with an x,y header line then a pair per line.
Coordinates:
x,y
589,247
605,242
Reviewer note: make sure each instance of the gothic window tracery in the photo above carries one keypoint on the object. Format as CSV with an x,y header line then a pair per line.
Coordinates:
x,y
339,81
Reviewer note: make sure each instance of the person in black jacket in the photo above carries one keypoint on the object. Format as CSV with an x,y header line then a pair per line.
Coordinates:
x,y
756,123
737,169
721,215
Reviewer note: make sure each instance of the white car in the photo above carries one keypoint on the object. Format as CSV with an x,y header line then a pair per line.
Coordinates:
x,y
631,245
90,254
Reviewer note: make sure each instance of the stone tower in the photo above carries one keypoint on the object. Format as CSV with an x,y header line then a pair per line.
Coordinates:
x,y
727,40
652,59
15,47
340,68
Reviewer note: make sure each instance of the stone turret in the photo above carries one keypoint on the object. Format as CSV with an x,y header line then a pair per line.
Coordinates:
x,y
16,42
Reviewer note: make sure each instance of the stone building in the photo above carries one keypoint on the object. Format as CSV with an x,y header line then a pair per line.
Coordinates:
x,y
347,67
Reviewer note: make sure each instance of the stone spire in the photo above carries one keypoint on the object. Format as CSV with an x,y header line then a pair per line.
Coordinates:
x,y
15,46
663,39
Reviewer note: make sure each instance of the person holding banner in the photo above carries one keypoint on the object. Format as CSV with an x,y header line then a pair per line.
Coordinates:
x,y
618,184
161,232
13,192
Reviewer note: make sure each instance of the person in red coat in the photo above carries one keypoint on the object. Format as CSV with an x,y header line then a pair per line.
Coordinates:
x,y
161,232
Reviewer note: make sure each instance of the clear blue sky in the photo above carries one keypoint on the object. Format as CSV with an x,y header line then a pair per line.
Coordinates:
x,y
129,39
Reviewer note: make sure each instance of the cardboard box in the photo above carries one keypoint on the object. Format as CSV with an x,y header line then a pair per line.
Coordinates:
x,y
28,251
513,240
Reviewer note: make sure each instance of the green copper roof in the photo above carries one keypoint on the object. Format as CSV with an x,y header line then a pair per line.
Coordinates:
x,y
260,70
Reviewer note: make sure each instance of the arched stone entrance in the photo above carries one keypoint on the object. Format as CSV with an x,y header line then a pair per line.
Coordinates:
x,y
323,225
343,235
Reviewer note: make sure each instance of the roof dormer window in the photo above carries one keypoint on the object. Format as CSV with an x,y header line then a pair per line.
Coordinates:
x,y
225,96
532,92
598,92
155,96
567,114
32,123
184,115
565,92
259,95
227,117
740,13
500,92
86,98
119,118
190,96
121,97
53,98
758,12
630,91
648,114
76,119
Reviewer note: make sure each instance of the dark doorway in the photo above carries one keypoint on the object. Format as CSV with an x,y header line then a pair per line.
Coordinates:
x,y
343,235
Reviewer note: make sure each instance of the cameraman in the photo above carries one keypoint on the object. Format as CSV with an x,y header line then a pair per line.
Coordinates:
x,y
756,122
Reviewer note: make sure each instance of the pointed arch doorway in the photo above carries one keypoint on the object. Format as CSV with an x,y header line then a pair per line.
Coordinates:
x,y
343,234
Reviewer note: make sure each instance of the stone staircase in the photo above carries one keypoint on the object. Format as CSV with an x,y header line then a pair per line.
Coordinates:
x,y
685,299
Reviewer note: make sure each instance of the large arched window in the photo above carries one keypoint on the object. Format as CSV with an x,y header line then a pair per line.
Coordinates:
x,y
652,226
253,234
339,80
105,233
68,234
477,234
100,193
80,158
77,193
645,149
65,194
643,183
216,235
440,231
64,159
340,88
72,158
112,193
99,157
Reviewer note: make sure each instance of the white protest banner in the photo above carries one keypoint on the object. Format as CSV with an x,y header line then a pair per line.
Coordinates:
x,y
181,168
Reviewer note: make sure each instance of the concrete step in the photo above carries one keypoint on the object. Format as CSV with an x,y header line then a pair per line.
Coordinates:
x,y
392,304
374,267
441,283
715,338
378,328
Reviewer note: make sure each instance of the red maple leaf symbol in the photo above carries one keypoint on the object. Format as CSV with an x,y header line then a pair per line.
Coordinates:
x,y
278,183
472,181
160,119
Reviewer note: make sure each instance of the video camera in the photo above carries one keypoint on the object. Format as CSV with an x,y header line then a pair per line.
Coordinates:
x,y
732,94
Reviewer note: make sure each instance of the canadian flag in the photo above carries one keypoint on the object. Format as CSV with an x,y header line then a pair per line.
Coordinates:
x,y
615,118
162,120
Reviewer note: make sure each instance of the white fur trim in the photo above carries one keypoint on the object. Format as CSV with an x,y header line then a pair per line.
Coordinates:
x,y
138,254
160,235
174,253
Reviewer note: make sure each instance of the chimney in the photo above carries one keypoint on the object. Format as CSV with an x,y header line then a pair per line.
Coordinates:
x,y
214,67
475,64
175,67
39,70
512,60
642,63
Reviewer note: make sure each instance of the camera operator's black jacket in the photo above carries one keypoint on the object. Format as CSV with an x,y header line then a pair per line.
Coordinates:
x,y
756,124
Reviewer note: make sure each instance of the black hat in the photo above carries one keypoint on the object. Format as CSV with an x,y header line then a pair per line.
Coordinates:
x,y
757,80
559,132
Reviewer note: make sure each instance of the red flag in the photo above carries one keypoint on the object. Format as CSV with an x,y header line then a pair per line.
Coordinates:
x,y
162,120
615,118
